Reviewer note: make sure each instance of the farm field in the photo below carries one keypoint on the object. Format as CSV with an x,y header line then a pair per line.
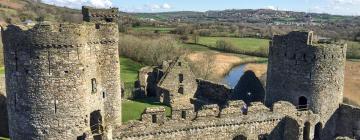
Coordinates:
x,y
152,29
246,44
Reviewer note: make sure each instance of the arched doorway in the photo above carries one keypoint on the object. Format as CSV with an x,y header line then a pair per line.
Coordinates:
x,y
96,124
318,128
306,131
303,103
240,137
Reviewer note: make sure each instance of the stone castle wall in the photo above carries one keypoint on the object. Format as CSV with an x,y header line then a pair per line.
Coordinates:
x,y
301,67
283,121
4,131
61,79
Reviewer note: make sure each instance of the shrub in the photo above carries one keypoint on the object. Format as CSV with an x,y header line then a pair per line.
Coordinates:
x,y
150,51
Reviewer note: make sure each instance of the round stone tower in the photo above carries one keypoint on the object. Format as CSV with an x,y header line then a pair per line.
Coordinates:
x,y
306,72
62,80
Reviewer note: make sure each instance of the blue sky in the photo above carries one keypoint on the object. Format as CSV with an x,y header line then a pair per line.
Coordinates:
x,y
341,7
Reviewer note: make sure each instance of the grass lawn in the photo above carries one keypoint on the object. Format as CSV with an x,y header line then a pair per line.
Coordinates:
x,y
2,70
246,44
2,138
132,109
128,73
153,29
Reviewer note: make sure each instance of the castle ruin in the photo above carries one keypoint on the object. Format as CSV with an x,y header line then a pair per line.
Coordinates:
x,y
63,82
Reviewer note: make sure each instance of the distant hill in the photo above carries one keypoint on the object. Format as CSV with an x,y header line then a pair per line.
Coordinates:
x,y
17,11
250,16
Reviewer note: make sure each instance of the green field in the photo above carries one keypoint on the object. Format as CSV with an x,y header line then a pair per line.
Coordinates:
x,y
194,47
353,50
153,29
2,70
132,110
247,44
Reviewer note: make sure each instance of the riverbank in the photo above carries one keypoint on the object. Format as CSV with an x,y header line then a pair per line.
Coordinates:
x,y
219,64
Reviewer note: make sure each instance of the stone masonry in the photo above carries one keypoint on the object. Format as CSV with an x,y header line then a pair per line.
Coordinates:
x,y
308,73
62,80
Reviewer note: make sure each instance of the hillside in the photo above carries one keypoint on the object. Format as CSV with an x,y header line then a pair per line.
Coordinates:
x,y
251,16
17,11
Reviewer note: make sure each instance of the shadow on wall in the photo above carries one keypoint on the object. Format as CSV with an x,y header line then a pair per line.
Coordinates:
x,y
249,88
4,129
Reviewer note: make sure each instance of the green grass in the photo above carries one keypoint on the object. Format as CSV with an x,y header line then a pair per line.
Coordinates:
x,y
246,44
2,138
129,69
353,50
132,109
194,47
2,70
128,73
153,29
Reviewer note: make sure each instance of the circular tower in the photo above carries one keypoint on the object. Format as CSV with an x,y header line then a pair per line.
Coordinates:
x,y
62,80
306,72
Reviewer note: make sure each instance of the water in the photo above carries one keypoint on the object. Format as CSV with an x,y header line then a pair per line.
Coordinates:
x,y
233,77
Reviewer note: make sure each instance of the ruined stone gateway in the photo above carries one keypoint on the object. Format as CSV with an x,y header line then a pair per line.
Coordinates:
x,y
62,82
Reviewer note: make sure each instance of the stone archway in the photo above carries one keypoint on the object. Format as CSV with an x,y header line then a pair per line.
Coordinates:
x,y
306,131
96,125
318,129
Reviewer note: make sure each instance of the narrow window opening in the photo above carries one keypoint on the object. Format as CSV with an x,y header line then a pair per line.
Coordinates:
x,y
181,78
181,90
153,117
104,95
97,26
303,104
179,64
183,114
93,85
55,106
109,19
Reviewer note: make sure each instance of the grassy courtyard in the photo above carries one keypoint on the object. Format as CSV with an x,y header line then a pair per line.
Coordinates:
x,y
2,70
132,109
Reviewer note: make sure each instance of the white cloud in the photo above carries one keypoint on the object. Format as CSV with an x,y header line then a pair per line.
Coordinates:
x,y
151,8
271,7
78,3
166,6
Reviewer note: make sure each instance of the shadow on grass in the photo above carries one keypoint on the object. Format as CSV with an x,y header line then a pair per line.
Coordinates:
x,y
150,101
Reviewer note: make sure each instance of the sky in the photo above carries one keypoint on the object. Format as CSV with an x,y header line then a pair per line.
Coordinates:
x,y
338,7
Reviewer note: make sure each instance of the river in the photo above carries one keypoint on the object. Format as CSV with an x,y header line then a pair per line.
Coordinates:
x,y
233,77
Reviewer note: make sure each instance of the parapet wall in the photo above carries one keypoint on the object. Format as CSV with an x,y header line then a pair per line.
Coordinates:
x,y
97,15
258,123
